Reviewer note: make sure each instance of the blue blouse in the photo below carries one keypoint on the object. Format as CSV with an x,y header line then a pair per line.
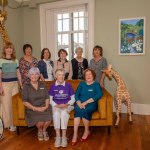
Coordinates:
x,y
85,92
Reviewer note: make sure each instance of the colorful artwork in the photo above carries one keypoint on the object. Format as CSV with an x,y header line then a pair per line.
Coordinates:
x,y
132,36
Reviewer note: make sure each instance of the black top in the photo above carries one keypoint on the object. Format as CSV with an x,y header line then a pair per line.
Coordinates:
x,y
78,68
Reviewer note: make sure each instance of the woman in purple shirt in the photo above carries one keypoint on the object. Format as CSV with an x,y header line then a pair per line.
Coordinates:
x,y
61,99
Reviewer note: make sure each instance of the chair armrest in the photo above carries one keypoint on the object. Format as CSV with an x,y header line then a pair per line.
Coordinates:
x,y
109,109
105,107
21,108
18,109
15,109
102,104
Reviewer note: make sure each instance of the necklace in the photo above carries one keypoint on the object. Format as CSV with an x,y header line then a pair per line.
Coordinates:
x,y
79,59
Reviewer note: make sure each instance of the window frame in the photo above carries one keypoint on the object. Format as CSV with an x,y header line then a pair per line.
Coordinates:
x,y
48,33
71,31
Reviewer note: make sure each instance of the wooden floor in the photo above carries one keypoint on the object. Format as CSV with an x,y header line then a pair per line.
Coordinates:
x,y
126,137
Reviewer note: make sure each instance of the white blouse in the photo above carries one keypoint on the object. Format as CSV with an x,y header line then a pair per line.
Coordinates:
x,y
49,70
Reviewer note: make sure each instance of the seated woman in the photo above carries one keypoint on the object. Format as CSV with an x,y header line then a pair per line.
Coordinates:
x,y
87,95
61,99
45,65
36,99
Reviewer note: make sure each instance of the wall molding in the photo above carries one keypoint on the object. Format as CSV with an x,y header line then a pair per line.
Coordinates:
x,y
140,109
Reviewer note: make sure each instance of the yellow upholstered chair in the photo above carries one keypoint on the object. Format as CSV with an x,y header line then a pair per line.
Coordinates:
x,y
102,117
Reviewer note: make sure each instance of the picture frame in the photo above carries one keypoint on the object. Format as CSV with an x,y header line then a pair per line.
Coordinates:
x,y
132,36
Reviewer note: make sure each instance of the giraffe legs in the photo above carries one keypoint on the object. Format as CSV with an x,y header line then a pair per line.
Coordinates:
x,y
118,110
129,110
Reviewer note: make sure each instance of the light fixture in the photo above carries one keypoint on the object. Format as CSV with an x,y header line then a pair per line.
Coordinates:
x,y
13,4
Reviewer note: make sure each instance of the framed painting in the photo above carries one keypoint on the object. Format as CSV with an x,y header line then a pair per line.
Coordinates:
x,y
132,36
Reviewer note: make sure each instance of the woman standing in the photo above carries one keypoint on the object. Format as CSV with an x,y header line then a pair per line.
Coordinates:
x,y
27,62
45,65
62,100
98,63
79,64
9,77
36,99
87,95
63,63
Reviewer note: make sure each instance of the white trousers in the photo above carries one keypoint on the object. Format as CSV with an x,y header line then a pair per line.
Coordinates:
x,y
10,89
61,117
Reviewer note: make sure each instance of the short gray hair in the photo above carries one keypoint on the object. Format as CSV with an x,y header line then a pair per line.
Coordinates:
x,y
33,70
58,71
78,48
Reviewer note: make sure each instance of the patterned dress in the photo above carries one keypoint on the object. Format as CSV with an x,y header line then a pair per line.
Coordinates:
x,y
25,66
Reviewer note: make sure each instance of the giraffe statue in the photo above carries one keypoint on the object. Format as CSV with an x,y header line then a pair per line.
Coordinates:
x,y
121,95
3,17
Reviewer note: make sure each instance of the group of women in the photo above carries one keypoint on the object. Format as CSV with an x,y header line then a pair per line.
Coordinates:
x,y
43,106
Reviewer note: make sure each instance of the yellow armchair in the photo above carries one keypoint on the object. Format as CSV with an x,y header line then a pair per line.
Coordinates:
x,y
102,117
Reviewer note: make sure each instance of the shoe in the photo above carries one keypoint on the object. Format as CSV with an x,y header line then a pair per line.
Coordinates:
x,y
40,136
84,140
45,136
73,143
57,141
64,142
12,128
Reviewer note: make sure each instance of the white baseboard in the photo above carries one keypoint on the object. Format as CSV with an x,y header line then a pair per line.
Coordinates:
x,y
141,109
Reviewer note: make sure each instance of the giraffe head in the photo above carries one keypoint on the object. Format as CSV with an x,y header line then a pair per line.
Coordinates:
x,y
108,71
3,16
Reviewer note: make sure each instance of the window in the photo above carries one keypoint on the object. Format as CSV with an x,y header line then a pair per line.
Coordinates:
x,y
67,24
71,30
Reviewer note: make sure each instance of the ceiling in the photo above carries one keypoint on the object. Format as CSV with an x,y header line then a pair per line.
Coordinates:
x,y
34,3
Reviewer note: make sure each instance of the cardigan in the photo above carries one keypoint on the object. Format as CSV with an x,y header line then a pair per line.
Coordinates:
x,y
43,68
75,67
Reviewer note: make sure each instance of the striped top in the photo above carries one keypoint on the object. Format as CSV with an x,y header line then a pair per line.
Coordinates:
x,y
9,69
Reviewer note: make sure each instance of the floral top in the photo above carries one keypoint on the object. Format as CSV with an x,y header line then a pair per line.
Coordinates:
x,y
80,70
25,66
